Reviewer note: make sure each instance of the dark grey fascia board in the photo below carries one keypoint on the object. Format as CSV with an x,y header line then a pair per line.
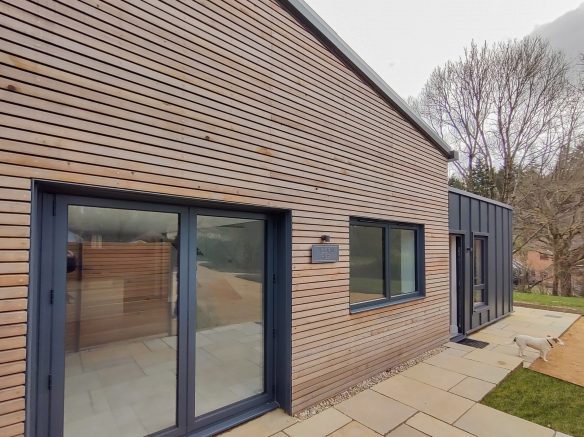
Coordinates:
x,y
481,198
326,34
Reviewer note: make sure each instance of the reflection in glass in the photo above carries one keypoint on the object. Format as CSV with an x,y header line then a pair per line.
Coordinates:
x,y
230,300
478,261
366,263
121,322
402,261
479,271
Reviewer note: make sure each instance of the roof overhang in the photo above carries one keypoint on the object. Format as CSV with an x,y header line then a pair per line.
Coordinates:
x,y
327,35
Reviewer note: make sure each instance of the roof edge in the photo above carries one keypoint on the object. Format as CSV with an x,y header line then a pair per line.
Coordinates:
x,y
481,198
308,16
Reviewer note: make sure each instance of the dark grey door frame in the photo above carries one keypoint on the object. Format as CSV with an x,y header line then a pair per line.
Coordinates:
x,y
46,369
461,289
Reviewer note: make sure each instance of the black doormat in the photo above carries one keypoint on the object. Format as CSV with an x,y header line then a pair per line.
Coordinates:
x,y
473,343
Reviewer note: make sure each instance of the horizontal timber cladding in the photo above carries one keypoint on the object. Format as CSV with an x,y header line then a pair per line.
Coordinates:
x,y
220,100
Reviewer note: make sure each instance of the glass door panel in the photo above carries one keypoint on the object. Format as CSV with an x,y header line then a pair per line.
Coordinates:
x,y
120,322
230,294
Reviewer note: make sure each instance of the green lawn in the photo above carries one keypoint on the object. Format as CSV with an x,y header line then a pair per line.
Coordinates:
x,y
552,301
541,399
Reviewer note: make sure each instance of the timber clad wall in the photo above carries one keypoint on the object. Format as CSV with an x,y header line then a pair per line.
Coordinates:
x,y
222,100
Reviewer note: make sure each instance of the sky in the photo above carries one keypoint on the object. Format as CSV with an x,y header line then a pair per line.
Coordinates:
x,y
403,41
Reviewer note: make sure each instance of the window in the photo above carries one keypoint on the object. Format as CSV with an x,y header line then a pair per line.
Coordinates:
x,y
386,262
479,271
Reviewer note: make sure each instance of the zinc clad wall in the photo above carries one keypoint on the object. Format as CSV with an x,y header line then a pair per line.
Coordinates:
x,y
471,214
220,100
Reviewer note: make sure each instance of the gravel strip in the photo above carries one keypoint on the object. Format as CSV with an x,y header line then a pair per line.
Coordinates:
x,y
362,386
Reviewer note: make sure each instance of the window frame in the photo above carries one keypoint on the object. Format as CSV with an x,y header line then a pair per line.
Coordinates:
x,y
420,264
478,306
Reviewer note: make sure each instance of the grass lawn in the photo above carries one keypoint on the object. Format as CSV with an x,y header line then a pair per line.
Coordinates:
x,y
541,399
552,301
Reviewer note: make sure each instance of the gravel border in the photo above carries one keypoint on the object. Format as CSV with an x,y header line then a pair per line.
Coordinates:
x,y
364,385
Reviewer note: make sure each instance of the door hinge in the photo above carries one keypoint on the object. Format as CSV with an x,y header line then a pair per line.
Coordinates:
x,y
50,382
51,296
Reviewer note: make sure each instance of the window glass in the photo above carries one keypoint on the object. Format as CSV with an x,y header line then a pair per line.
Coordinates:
x,y
366,263
478,296
402,256
230,311
479,271
479,252
121,322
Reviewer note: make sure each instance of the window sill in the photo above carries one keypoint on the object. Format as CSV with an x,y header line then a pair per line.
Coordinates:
x,y
366,306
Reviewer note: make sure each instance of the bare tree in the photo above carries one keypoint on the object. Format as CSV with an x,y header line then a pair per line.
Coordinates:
x,y
456,101
550,198
498,103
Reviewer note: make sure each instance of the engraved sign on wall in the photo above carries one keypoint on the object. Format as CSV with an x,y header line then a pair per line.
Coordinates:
x,y
325,253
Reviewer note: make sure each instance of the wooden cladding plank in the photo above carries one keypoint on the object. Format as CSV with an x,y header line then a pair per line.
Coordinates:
x,y
12,343
10,419
11,355
11,406
12,368
15,430
11,380
12,305
8,394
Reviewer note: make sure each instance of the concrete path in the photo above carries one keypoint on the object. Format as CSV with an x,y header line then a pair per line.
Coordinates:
x,y
438,397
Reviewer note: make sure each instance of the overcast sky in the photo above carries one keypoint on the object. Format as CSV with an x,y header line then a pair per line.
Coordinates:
x,y
404,40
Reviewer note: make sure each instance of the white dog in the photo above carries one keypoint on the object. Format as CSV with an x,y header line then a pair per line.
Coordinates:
x,y
543,345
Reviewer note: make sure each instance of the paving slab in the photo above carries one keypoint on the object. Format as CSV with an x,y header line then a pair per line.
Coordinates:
x,y
263,426
405,431
494,358
376,411
492,338
321,425
354,429
472,388
435,376
484,421
468,367
434,427
456,352
438,403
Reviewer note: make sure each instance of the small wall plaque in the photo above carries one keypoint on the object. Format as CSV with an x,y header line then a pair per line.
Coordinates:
x,y
325,253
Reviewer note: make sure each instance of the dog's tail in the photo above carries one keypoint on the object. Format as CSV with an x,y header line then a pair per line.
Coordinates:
x,y
515,340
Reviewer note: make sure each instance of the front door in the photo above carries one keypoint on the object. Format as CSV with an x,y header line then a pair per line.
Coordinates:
x,y
156,317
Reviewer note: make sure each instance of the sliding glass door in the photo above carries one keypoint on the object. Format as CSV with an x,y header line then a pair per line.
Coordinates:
x,y
158,317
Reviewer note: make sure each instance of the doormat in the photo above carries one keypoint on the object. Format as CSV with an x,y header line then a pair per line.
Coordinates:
x,y
473,343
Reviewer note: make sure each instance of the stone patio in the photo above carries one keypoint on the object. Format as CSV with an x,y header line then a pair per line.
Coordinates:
x,y
438,397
